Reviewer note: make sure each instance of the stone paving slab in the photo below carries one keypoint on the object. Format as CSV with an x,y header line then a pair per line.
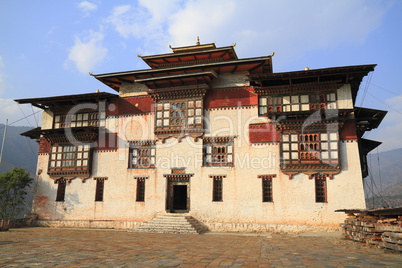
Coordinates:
x,y
46,247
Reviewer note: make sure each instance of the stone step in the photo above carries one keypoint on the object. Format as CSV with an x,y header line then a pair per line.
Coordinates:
x,y
173,224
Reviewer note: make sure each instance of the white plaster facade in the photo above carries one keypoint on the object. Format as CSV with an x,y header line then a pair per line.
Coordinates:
x,y
293,207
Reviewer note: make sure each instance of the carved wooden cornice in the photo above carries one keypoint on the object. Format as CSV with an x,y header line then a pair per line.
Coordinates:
x,y
299,88
311,170
223,139
142,142
319,124
173,93
68,177
178,177
267,177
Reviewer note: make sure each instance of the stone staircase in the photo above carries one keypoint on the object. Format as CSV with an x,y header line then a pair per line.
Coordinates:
x,y
174,224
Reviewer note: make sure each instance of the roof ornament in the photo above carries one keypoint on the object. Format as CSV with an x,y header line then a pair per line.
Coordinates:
x,y
234,44
97,91
91,74
272,54
198,41
306,68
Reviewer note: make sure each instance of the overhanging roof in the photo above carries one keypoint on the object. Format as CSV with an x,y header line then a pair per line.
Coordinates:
x,y
178,79
368,119
67,100
369,145
114,80
201,55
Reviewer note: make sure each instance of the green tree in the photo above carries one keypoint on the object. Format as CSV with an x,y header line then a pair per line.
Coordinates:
x,y
13,186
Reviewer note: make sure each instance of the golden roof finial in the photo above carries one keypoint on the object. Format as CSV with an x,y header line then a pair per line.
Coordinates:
x,y
306,68
272,54
198,41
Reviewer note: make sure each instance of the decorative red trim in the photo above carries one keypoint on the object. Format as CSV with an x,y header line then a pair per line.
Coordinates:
x,y
263,133
231,97
348,131
131,106
44,146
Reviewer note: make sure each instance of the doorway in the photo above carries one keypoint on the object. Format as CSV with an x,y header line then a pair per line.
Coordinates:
x,y
180,197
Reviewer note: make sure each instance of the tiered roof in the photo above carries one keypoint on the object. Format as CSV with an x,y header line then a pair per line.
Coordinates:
x,y
191,65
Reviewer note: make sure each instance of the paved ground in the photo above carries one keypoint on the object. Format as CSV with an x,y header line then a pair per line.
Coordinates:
x,y
44,247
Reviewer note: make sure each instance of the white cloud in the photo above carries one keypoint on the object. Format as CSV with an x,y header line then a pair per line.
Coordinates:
x,y
87,7
290,28
2,76
147,21
19,115
87,52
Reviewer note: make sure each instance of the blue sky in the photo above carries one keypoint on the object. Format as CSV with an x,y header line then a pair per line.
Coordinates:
x,y
49,47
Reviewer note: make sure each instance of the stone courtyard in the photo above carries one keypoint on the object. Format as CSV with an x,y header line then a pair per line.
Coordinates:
x,y
46,247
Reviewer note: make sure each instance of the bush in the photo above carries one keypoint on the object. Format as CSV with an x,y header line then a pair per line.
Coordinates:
x,y
13,186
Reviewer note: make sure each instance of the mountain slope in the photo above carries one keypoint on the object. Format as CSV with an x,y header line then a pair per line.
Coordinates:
x,y
385,179
18,151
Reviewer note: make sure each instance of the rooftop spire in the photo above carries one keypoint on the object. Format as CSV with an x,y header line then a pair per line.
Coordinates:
x,y
198,41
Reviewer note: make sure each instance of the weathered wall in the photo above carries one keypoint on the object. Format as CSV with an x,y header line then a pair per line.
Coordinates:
x,y
293,207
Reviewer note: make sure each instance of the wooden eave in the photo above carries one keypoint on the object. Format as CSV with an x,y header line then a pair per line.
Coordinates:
x,y
259,64
82,134
178,80
368,119
368,145
33,133
67,100
193,48
190,57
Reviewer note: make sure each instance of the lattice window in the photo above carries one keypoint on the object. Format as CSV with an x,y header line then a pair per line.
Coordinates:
x,y
142,157
179,114
100,186
66,157
320,188
217,191
296,103
61,190
140,195
218,154
79,120
317,148
290,146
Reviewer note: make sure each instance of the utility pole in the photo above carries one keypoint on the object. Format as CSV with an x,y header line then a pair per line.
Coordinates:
x,y
4,139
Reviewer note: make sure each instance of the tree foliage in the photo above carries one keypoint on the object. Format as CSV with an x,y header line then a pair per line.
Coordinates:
x,y
13,186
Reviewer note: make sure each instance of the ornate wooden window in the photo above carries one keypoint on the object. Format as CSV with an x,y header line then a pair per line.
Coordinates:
x,y
320,188
140,195
100,186
217,192
310,148
61,190
79,120
267,187
69,158
179,114
142,157
218,152
296,103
